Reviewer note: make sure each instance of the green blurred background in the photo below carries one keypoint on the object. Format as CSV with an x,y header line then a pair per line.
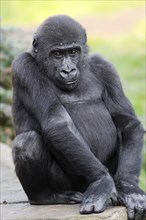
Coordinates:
x,y
115,29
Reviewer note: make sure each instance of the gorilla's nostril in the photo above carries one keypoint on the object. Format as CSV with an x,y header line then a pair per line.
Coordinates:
x,y
73,73
68,74
67,71
63,75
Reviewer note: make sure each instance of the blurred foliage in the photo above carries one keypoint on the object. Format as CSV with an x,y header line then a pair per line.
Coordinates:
x,y
130,66
6,95
10,47
30,12
126,51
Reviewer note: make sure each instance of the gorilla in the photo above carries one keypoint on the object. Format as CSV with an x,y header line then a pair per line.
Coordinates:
x,y
78,139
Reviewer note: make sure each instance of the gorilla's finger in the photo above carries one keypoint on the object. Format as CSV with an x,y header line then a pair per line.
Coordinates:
x,y
87,208
131,213
138,214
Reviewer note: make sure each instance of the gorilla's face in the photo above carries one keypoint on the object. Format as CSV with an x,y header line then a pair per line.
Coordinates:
x,y
60,49
65,61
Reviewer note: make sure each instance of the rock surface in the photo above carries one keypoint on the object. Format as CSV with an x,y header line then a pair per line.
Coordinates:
x,y
14,204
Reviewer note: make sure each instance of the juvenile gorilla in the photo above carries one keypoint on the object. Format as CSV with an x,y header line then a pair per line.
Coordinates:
x,y
78,139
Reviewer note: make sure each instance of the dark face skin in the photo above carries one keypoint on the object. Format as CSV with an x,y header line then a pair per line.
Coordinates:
x,y
61,54
64,61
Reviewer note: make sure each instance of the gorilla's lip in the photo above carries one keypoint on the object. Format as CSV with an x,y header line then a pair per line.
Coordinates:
x,y
70,82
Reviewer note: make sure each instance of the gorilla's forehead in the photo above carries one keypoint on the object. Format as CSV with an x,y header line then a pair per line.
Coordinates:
x,y
61,29
61,37
64,45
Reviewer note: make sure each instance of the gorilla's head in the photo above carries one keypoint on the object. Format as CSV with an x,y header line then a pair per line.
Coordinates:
x,y
59,47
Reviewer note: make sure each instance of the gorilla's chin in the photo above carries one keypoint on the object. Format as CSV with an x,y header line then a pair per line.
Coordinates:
x,y
68,85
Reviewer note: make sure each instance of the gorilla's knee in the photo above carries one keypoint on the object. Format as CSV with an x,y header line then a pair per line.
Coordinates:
x,y
26,147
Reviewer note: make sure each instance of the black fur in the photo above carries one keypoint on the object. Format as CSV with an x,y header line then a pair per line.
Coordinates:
x,y
78,139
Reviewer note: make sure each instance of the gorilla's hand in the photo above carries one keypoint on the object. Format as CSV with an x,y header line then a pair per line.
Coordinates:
x,y
134,199
97,196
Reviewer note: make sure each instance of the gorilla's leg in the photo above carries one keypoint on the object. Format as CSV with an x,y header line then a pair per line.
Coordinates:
x,y
42,179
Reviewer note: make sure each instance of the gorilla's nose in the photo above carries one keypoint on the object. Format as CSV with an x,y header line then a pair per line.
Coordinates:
x,y
68,74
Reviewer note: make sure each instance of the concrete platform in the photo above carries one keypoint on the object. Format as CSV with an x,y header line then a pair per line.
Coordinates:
x,y
14,204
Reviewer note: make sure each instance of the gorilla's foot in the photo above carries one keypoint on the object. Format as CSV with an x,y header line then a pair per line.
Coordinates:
x,y
97,196
67,197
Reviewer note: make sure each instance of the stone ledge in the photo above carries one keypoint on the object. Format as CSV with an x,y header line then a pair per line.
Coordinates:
x,y
14,205
57,212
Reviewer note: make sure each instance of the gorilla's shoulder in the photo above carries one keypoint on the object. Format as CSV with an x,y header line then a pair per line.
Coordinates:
x,y
21,63
97,60
102,66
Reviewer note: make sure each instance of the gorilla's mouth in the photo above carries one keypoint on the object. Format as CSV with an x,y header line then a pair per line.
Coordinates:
x,y
70,82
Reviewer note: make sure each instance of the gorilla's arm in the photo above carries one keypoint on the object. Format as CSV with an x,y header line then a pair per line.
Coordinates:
x,y
68,146
128,126
131,135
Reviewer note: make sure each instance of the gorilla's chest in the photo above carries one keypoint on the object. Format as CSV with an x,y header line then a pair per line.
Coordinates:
x,y
92,119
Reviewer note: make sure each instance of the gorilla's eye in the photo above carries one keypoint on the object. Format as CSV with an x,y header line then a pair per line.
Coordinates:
x,y
57,54
73,51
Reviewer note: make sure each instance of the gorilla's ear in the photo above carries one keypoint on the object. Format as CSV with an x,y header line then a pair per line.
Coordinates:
x,y
85,38
35,44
